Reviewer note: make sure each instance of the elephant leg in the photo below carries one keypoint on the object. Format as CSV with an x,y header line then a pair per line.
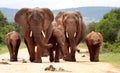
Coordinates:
x,y
72,55
30,45
51,58
16,49
57,53
91,53
96,55
11,52
66,51
38,54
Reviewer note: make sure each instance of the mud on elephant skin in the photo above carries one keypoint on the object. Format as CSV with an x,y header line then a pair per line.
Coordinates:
x,y
58,41
36,27
93,41
74,31
13,41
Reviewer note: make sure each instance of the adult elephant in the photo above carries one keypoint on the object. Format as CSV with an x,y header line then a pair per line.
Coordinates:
x,y
93,41
74,30
13,41
58,41
36,26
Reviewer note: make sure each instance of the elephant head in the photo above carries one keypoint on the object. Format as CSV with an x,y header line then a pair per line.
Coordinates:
x,y
96,38
34,22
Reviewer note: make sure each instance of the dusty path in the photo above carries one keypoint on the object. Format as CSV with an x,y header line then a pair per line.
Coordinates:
x,y
83,65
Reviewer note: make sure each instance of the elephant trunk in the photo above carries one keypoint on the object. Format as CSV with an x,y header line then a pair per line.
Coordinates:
x,y
39,36
71,38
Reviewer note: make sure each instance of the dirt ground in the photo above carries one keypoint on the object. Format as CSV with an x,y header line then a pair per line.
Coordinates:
x,y
83,65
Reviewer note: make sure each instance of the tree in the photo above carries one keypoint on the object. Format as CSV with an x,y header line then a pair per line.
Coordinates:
x,y
109,25
91,27
3,20
5,27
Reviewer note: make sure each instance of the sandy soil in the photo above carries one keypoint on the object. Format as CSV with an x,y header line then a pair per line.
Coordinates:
x,y
83,65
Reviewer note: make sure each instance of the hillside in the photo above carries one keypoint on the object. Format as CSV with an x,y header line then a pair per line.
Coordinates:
x,y
89,13
9,13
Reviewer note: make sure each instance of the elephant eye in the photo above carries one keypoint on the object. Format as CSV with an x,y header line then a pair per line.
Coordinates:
x,y
64,15
29,12
76,15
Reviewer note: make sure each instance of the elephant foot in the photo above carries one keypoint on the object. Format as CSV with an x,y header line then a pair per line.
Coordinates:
x,y
57,61
96,60
13,60
32,59
37,61
66,58
92,59
51,59
72,60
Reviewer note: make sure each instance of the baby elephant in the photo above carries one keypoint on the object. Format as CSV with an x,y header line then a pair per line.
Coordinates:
x,y
93,41
58,40
13,41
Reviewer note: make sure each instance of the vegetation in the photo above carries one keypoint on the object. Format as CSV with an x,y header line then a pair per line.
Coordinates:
x,y
113,58
109,27
4,49
6,27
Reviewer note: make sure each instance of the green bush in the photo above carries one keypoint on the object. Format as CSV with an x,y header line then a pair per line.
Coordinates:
x,y
107,47
109,25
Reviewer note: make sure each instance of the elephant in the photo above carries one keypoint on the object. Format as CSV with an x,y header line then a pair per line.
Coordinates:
x,y
13,41
37,30
74,31
58,41
93,41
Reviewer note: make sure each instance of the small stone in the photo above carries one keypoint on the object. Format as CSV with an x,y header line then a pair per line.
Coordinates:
x,y
47,68
4,63
61,69
83,55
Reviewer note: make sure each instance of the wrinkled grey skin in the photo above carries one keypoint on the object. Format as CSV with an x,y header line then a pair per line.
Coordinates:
x,y
74,30
34,23
13,41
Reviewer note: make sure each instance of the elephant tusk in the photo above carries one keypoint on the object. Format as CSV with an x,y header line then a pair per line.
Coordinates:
x,y
67,34
43,33
35,48
75,34
56,44
62,43
30,33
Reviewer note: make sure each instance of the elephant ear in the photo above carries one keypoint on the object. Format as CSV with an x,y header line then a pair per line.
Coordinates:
x,y
81,28
20,17
49,17
59,18
100,35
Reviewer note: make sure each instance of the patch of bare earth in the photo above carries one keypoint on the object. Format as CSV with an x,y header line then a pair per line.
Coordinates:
x,y
83,65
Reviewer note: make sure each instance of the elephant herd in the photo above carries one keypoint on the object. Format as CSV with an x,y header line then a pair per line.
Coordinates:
x,y
62,36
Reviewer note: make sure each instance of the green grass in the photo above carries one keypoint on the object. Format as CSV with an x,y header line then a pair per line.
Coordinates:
x,y
109,57
113,58
4,49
